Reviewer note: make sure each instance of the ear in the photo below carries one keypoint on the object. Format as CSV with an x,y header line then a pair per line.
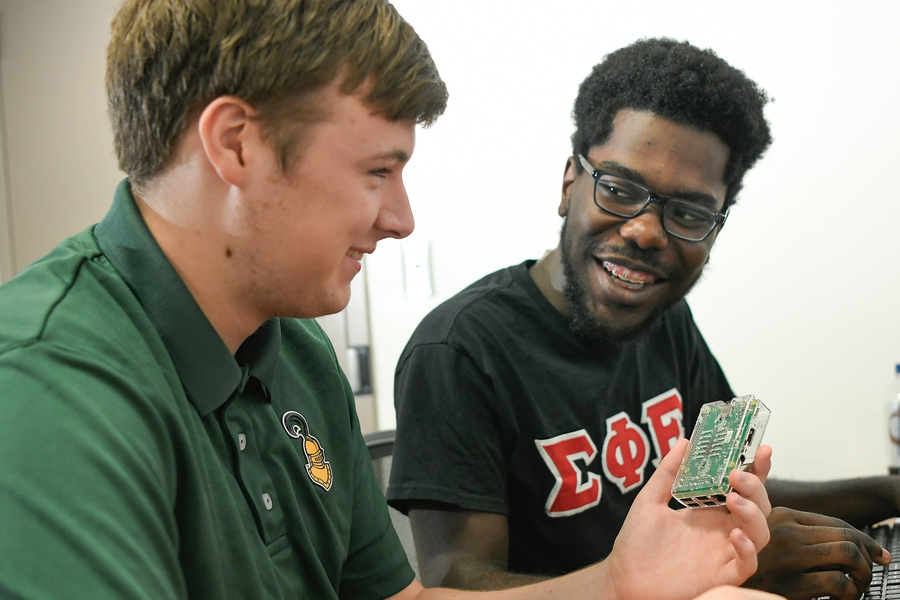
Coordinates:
x,y
228,132
569,176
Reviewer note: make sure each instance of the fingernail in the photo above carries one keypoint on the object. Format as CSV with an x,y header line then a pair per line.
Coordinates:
x,y
739,500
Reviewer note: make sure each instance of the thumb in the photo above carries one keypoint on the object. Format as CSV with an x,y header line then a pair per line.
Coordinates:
x,y
762,463
659,486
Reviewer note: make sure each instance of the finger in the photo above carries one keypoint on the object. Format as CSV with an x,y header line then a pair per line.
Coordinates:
x,y
852,541
876,551
833,584
659,486
751,519
855,563
830,528
762,463
745,555
751,487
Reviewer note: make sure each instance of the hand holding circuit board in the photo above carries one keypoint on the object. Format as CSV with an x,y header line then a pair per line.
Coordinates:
x,y
726,437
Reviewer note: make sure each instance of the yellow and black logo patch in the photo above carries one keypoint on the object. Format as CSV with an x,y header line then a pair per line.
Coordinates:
x,y
318,469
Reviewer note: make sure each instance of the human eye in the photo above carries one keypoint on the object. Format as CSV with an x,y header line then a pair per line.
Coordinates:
x,y
618,190
382,172
689,214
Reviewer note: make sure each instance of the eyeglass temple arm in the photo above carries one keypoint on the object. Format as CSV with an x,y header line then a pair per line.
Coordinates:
x,y
587,166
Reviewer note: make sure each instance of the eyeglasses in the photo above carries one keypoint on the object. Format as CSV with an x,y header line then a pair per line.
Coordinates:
x,y
624,198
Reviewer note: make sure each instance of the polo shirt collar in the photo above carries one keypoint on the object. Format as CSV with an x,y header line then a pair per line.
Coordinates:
x,y
208,371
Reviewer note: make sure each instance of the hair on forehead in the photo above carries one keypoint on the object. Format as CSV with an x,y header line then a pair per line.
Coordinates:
x,y
684,84
167,59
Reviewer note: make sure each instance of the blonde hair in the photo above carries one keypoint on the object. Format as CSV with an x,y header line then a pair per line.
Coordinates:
x,y
169,58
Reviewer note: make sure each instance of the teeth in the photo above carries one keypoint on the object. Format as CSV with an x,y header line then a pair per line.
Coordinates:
x,y
355,254
631,279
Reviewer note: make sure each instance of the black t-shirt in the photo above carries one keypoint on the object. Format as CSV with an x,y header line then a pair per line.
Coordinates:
x,y
501,409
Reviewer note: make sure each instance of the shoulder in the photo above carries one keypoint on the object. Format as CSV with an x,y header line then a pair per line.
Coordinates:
x,y
307,360
478,307
681,337
84,377
73,292
70,324
680,312
679,320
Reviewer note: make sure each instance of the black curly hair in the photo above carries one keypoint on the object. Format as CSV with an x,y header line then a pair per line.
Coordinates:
x,y
684,84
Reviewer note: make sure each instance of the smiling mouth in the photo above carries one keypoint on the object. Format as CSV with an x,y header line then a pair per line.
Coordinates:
x,y
632,280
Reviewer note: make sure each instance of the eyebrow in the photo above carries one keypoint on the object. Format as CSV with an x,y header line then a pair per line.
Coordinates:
x,y
397,154
693,196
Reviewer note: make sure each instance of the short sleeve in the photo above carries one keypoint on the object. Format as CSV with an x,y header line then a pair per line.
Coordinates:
x,y
86,484
708,382
377,566
450,440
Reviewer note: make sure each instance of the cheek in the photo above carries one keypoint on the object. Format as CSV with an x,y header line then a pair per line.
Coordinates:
x,y
696,258
583,217
593,229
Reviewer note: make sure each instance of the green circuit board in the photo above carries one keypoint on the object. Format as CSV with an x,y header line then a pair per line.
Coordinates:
x,y
725,438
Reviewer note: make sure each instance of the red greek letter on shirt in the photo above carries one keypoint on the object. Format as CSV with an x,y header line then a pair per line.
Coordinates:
x,y
625,452
663,416
575,489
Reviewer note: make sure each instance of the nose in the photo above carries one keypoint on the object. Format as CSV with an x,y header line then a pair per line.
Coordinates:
x,y
646,229
395,218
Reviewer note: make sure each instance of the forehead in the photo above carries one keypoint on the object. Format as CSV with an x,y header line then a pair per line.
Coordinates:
x,y
669,157
351,129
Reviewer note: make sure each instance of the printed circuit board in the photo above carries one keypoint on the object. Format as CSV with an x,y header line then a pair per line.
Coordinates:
x,y
725,438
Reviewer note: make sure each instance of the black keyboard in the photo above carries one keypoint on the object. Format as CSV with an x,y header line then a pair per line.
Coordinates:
x,y
885,580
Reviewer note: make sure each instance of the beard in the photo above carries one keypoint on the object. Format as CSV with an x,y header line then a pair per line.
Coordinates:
x,y
584,323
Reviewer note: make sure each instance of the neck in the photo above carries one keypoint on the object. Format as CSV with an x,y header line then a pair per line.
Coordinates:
x,y
183,219
547,274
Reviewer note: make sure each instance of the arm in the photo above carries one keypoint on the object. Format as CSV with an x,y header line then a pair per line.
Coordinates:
x,y
723,542
859,502
85,484
463,549
722,592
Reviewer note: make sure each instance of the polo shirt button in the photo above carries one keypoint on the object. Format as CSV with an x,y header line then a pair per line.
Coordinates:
x,y
242,441
267,500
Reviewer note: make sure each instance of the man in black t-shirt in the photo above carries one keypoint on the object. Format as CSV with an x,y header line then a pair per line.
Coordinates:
x,y
548,435
534,405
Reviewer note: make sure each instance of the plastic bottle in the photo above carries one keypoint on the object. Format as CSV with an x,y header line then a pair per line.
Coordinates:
x,y
893,413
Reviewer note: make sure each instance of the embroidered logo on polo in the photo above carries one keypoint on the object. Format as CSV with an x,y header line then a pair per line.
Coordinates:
x,y
318,469
625,453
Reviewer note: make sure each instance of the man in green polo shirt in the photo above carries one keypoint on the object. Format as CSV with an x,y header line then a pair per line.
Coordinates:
x,y
174,423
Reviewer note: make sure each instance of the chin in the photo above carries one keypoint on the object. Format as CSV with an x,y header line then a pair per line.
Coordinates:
x,y
593,331
333,308
316,307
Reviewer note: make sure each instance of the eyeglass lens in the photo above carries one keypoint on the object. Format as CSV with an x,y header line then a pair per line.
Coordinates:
x,y
681,218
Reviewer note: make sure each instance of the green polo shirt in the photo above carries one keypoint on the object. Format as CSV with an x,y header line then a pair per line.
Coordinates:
x,y
140,459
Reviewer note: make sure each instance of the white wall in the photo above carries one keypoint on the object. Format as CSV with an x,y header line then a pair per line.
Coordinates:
x,y
797,302
59,146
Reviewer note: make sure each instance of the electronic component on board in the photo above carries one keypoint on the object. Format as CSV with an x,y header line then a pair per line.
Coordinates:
x,y
726,437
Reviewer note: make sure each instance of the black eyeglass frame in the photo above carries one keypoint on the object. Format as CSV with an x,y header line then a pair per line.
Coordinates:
x,y
661,199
